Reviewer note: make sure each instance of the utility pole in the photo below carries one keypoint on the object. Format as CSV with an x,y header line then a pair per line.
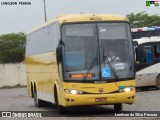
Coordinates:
x,y
45,14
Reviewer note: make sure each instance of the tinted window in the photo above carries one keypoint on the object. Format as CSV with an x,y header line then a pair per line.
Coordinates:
x,y
43,40
157,50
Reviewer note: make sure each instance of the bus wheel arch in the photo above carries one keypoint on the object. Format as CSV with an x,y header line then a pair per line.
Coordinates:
x,y
60,108
158,82
55,95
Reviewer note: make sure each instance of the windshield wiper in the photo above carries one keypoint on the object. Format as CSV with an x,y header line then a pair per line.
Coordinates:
x,y
90,68
112,69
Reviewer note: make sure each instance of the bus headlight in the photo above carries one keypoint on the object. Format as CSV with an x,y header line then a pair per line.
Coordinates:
x,y
127,89
73,91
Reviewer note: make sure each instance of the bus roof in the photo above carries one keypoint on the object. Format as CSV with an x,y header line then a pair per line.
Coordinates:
x,y
67,18
145,29
147,39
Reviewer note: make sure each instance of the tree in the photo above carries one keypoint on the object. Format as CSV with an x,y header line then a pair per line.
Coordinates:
x,y
12,47
142,19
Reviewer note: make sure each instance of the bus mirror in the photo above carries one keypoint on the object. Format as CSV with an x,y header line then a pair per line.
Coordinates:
x,y
59,54
135,43
139,54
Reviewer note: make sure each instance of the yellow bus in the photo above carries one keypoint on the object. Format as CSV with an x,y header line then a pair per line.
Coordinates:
x,y
81,59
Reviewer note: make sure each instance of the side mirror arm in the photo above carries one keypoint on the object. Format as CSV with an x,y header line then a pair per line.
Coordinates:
x,y
59,54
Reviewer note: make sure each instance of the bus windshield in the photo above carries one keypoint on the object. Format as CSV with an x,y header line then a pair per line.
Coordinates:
x,y
97,51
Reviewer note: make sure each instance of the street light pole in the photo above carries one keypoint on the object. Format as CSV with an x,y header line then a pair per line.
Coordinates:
x,y
45,14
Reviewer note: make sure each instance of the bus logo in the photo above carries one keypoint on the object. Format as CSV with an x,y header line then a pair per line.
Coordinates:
x,y
100,90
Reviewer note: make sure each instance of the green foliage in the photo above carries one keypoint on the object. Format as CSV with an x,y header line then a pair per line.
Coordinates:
x,y
142,19
12,47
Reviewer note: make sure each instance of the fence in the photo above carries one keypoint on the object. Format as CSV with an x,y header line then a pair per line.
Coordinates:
x,y
12,74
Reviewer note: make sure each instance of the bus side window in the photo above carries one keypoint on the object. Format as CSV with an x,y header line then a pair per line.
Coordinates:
x,y
157,51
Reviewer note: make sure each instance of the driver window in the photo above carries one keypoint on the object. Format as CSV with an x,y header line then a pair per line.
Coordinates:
x,y
157,51
144,55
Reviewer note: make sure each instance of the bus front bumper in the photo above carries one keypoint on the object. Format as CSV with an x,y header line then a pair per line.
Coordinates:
x,y
98,99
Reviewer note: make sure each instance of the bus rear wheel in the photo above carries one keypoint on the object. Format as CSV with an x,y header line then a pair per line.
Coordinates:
x,y
158,82
118,107
37,102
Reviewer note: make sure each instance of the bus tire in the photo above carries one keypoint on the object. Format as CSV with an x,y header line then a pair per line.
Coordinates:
x,y
60,108
158,82
118,107
37,102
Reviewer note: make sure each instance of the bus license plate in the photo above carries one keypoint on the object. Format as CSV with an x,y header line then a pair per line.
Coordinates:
x,y
100,99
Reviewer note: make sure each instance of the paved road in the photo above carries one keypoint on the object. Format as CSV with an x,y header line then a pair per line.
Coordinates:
x,y
17,100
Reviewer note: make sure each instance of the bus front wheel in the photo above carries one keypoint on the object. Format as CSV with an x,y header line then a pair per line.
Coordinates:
x,y
60,108
158,82
118,107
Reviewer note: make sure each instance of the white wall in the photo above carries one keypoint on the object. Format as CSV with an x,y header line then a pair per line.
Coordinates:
x,y
12,74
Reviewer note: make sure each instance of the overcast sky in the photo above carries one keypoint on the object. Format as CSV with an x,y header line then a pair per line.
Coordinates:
x,y
18,18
